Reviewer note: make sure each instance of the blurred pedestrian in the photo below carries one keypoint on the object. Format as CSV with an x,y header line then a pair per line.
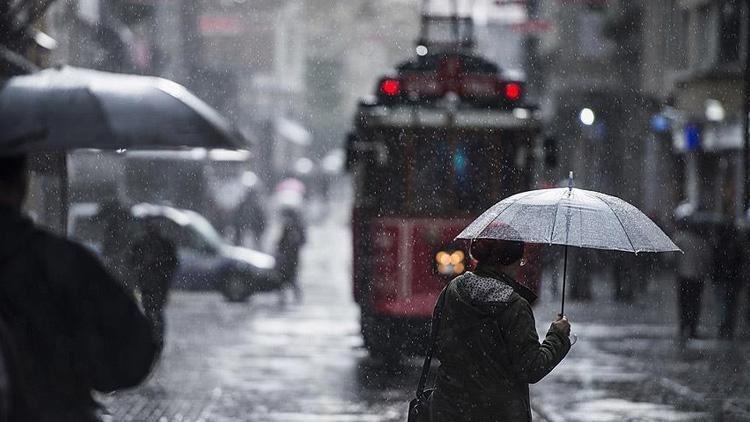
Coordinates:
x,y
288,250
580,273
75,327
250,218
154,258
625,275
727,276
116,240
487,343
693,268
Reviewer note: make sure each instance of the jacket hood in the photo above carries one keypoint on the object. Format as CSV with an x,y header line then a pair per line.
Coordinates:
x,y
483,290
15,231
479,295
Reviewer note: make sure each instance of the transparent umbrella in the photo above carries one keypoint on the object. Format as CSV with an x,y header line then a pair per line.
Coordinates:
x,y
570,217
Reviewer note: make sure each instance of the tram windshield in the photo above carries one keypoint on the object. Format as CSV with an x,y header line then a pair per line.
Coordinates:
x,y
439,173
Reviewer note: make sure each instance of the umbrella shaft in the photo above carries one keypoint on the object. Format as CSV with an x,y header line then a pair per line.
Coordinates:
x,y
565,271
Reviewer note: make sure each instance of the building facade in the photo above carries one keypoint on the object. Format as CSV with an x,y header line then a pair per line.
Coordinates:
x,y
694,57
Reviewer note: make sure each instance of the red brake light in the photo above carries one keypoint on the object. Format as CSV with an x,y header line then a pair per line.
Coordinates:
x,y
390,87
513,91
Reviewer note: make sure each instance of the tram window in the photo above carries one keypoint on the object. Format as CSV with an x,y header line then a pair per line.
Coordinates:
x,y
478,180
431,190
423,177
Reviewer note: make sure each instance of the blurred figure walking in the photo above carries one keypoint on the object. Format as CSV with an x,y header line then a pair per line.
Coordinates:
x,y
154,259
76,329
287,253
250,218
728,276
118,227
693,268
625,275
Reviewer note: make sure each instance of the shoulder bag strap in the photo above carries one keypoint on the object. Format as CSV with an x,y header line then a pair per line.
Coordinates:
x,y
437,316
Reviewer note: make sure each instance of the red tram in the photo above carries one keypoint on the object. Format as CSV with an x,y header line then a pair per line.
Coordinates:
x,y
444,137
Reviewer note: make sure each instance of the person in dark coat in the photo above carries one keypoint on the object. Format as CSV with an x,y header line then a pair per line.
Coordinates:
x,y
727,276
250,216
287,253
75,327
487,344
14,405
693,268
118,228
154,260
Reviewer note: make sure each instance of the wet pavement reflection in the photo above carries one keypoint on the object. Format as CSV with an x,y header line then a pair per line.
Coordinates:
x,y
268,361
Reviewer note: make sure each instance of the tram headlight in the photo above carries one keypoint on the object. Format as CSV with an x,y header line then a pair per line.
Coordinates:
x,y
450,263
443,258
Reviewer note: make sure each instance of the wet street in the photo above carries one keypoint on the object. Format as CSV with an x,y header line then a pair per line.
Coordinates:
x,y
264,361
267,361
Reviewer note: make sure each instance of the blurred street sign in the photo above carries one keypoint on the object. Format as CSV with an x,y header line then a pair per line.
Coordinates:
x,y
692,136
221,25
510,2
722,136
584,2
659,123
537,26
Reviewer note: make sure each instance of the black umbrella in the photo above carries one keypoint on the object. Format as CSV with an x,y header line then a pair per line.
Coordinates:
x,y
68,108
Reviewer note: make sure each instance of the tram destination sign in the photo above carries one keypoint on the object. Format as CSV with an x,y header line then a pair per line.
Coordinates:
x,y
415,117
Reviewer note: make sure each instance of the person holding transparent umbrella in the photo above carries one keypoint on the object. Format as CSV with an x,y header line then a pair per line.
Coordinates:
x,y
488,346
561,216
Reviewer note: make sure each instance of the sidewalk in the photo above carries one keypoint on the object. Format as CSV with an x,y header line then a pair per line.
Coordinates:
x,y
628,364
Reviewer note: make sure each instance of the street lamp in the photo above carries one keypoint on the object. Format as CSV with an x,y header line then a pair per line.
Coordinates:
x,y
587,116
715,111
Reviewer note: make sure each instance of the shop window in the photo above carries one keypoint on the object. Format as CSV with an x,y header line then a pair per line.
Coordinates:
x,y
715,35
700,38
591,41
729,32
679,20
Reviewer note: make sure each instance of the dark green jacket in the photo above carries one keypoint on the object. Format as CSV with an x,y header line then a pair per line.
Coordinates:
x,y
489,351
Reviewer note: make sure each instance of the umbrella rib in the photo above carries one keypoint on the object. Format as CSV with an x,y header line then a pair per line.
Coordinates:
x,y
554,221
214,121
479,233
102,111
496,217
619,221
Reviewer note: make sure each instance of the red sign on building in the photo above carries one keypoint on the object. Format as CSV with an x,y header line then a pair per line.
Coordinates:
x,y
220,25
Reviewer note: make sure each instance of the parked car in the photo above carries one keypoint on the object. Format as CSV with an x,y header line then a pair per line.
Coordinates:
x,y
206,260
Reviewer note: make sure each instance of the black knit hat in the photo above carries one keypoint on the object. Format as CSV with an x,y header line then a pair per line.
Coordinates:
x,y
495,251
12,169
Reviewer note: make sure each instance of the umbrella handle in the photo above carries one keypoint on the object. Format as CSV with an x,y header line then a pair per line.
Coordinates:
x,y
573,336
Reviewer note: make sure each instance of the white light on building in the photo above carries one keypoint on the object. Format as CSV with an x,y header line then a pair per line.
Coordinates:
x,y
587,116
714,111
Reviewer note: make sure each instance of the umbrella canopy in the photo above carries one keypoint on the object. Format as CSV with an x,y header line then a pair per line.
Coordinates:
x,y
571,217
68,108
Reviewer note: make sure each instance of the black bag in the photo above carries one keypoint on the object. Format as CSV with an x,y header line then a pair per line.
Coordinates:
x,y
420,408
